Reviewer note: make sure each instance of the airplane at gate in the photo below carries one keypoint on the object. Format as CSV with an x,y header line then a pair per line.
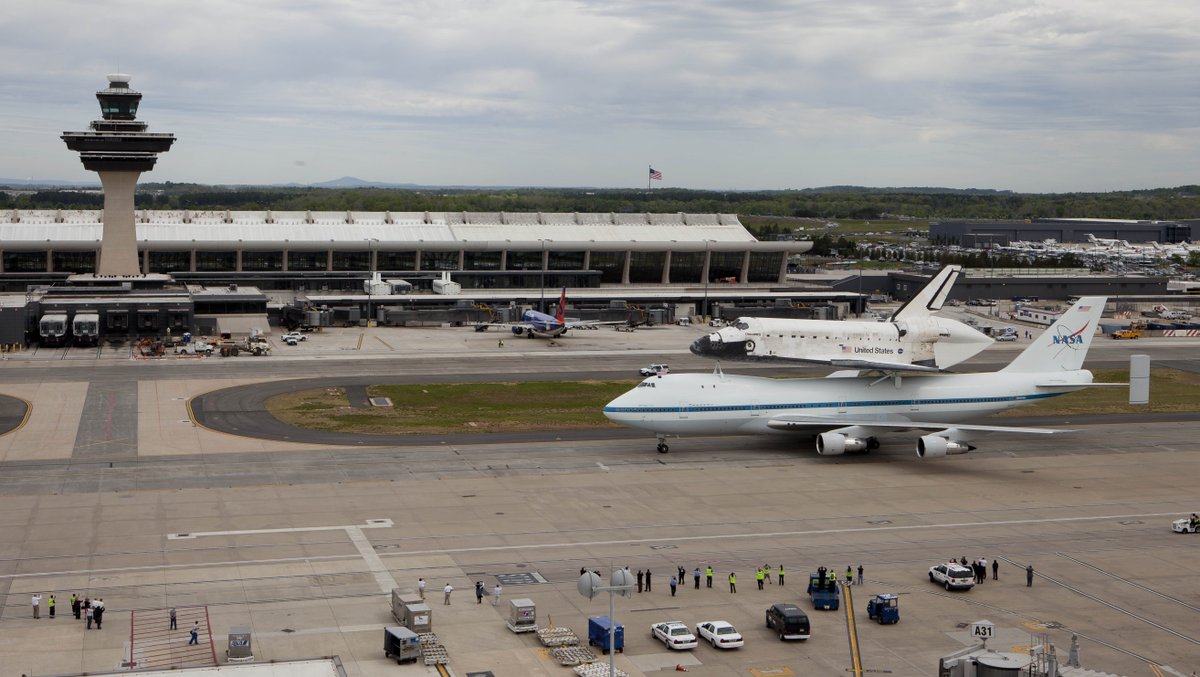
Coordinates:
x,y
849,410
912,339
535,324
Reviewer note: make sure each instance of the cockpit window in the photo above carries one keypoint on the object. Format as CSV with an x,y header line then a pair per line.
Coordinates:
x,y
741,325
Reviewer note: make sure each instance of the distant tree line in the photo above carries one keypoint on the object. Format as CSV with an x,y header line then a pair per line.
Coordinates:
x,y
827,203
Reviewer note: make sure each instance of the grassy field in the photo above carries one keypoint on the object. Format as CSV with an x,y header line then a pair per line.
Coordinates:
x,y
512,407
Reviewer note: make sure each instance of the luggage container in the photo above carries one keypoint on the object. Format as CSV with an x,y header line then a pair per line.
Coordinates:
x,y
522,616
598,627
401,644
240,649
401,600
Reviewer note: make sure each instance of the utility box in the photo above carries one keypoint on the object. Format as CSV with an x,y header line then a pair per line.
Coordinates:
x,y
522,616
401,644
418,617
240,649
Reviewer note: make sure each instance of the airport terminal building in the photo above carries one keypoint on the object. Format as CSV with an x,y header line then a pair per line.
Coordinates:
x,y
988,232
304,251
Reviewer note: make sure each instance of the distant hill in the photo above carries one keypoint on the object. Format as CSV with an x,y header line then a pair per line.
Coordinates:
x,y
48,183
355,182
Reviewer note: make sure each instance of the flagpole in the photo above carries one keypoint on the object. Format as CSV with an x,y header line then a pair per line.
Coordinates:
x,y
648,168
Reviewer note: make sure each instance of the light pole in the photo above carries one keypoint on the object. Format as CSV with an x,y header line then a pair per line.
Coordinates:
x,y
620,583
371,242
707,274
542,277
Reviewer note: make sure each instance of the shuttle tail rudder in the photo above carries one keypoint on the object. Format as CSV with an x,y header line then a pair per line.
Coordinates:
x,y
931,298
1065,344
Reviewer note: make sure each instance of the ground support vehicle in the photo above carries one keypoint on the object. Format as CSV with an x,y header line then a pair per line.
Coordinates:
x,y
598,634
254,345
194,347
1186,525
824,594
788,621
1121,334
884,608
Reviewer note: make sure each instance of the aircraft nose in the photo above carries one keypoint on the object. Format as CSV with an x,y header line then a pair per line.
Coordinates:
x,y
705,346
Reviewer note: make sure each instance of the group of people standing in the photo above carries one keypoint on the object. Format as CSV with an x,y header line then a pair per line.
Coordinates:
x,y
980,566
83,609
763,574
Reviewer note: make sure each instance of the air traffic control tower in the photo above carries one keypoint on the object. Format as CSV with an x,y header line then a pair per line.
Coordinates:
x,y
119,149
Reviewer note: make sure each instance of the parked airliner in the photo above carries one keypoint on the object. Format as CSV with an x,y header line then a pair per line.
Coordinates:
x,y
913,339
848,410
536,324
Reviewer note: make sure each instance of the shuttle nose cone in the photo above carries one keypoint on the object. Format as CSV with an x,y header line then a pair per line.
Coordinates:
x,y
712,346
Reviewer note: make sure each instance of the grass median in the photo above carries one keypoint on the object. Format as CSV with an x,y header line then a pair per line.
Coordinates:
x,y
569,405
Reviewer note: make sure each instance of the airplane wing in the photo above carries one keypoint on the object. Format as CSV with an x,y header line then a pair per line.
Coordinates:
x,y
809,423
587,324
484,326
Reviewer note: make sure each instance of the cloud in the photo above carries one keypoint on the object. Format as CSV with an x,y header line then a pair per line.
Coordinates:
x,y
764,94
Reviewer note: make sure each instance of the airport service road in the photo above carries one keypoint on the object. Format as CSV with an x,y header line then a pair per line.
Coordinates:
x,y
306,564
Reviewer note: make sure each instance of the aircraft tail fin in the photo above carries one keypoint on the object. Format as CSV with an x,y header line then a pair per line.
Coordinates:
x,y
931,298
562,307
1065,344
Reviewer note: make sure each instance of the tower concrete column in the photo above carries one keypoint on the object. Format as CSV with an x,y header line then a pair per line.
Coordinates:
x,y
118,246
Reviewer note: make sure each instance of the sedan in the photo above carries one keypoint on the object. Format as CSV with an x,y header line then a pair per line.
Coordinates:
x,y
674,634
720,635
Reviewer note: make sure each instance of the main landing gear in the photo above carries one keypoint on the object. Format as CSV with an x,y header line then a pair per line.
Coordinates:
x,y
662,444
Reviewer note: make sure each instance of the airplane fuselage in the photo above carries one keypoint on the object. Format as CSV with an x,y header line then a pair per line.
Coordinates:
x,y
716,404
541,325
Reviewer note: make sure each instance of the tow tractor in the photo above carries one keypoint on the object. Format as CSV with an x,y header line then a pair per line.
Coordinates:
x,y
823,591
1187,525
885,608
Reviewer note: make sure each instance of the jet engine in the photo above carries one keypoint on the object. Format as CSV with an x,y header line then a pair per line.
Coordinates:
x,y
518,330
835,444
936,446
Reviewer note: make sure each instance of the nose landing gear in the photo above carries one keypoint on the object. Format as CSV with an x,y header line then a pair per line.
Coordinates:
x,y
662,444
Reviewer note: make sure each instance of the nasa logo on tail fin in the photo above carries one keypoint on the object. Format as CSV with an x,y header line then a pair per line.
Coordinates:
x,y
1064,345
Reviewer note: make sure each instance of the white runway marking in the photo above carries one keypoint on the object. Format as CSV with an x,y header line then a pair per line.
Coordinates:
x,y
565,544
370,524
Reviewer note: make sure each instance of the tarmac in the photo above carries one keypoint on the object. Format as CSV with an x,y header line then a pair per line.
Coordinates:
x,y
110,488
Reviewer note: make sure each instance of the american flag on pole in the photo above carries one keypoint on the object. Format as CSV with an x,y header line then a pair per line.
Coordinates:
x,y
655,174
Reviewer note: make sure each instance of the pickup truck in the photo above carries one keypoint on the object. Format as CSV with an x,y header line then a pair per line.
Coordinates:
x,y
1121,334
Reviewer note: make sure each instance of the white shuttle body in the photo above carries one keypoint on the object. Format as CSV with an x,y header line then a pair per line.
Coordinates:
x,y
913,339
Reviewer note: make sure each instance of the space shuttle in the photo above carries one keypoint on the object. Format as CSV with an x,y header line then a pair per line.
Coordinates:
x,y
912,339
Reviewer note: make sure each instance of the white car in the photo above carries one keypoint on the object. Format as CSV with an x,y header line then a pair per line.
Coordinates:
x,y
1007,336
952,576
674,634
720,634
294,337
1186,526
654,369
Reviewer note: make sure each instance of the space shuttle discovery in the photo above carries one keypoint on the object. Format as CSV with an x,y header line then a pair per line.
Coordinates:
x,y
912,339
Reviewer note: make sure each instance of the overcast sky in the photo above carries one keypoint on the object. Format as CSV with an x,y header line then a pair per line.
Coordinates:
x,y
1026,95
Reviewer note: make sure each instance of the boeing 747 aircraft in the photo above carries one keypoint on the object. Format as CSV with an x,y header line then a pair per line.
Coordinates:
x,y
849,410
913,339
